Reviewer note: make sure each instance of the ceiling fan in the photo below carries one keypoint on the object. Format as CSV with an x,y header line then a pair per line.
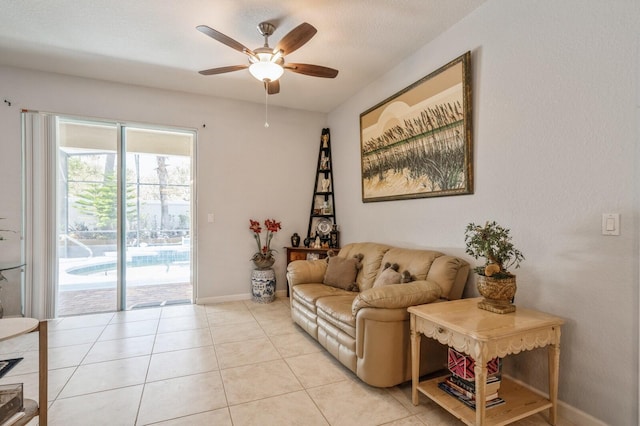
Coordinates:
x,y
265,63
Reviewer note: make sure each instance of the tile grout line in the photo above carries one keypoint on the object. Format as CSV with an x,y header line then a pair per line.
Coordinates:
x,y
144,384
215,353
75,370
304,388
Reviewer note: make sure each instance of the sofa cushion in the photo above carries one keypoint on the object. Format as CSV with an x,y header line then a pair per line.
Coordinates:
x,y
397,296
387,277
307,294
341,272
416,262
306,271
336,310
372,258
451,275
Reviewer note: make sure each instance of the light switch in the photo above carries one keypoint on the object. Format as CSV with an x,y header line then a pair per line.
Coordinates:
x,y
210,217
611,224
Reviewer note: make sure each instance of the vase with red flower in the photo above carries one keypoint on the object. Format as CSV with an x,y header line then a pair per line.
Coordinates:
x,y
263,258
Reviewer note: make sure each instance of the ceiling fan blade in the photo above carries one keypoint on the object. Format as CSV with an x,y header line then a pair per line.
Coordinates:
x,y
296,38
312,70
222,70
273,87
217,35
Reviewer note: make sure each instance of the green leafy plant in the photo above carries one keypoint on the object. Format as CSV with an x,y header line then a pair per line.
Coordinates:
x,y
492,242
100,201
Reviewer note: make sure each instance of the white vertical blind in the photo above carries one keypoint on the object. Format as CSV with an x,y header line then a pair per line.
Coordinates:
x,y
39,210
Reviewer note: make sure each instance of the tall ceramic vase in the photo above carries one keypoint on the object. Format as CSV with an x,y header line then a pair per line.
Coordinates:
x,y
263,285
263,278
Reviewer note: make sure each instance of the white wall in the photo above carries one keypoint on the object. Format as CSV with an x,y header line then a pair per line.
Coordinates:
x,y
554,87
243,170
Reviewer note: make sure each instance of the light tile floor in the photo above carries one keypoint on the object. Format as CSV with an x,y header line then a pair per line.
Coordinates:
x,y
237,363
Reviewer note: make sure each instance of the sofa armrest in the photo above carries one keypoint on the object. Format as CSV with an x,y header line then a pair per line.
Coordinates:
x,y
306,271
397,296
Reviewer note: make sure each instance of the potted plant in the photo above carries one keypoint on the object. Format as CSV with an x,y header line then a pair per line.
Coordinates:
x,y
493,243
263,258
263,277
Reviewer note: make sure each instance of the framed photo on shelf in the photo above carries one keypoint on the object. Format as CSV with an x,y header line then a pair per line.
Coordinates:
x,y
419,143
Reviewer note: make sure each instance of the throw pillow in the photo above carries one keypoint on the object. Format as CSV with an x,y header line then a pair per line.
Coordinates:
x,y
341,272
387,277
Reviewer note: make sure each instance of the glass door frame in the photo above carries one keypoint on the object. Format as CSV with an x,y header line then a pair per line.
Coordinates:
x,y
121,231
121,183
121,234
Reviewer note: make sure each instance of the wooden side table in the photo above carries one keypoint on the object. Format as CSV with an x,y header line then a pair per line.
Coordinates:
x,y
13,327
484,335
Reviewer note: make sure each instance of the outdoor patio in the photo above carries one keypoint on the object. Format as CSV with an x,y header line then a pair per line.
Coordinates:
x,y
75,302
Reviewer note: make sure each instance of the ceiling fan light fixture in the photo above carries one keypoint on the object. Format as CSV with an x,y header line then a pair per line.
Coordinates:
x,y
277,54
267,64
265,70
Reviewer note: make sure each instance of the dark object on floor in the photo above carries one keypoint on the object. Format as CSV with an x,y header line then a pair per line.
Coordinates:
x,y
8,364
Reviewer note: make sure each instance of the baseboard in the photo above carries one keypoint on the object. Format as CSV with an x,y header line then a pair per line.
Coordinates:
x,y
222,299
233,298
566,411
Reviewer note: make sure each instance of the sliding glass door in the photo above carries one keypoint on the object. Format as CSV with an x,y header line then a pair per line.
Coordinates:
x,y
124,216
158,217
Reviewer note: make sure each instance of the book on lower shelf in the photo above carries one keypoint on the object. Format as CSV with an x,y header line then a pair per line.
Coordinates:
x,y
470,402
492,385
462,385
450,381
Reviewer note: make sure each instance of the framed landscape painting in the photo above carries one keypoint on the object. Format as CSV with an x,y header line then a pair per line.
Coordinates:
x,y
418,143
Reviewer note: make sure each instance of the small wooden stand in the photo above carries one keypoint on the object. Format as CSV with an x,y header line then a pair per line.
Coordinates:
x,y
483,336
498,308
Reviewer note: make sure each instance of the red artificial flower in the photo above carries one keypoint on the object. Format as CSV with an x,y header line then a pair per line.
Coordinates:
x,y
271,226
255,226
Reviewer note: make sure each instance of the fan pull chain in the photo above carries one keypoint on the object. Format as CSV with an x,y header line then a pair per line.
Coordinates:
x,y
266,103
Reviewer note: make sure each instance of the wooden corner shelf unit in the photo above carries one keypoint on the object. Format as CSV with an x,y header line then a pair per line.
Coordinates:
x,y
322,217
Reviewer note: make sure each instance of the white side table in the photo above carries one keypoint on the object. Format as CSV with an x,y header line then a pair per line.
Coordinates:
x,y
13,327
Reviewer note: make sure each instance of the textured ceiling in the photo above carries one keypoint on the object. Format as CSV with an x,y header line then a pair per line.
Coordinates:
x,y
154,42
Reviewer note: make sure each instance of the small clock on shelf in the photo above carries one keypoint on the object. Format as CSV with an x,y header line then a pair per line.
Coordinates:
x,y
324,227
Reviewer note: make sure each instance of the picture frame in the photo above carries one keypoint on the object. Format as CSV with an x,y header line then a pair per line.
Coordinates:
x,y
419,142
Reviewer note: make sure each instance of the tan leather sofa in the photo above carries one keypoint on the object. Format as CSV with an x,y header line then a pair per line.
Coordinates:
x,y
368,331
